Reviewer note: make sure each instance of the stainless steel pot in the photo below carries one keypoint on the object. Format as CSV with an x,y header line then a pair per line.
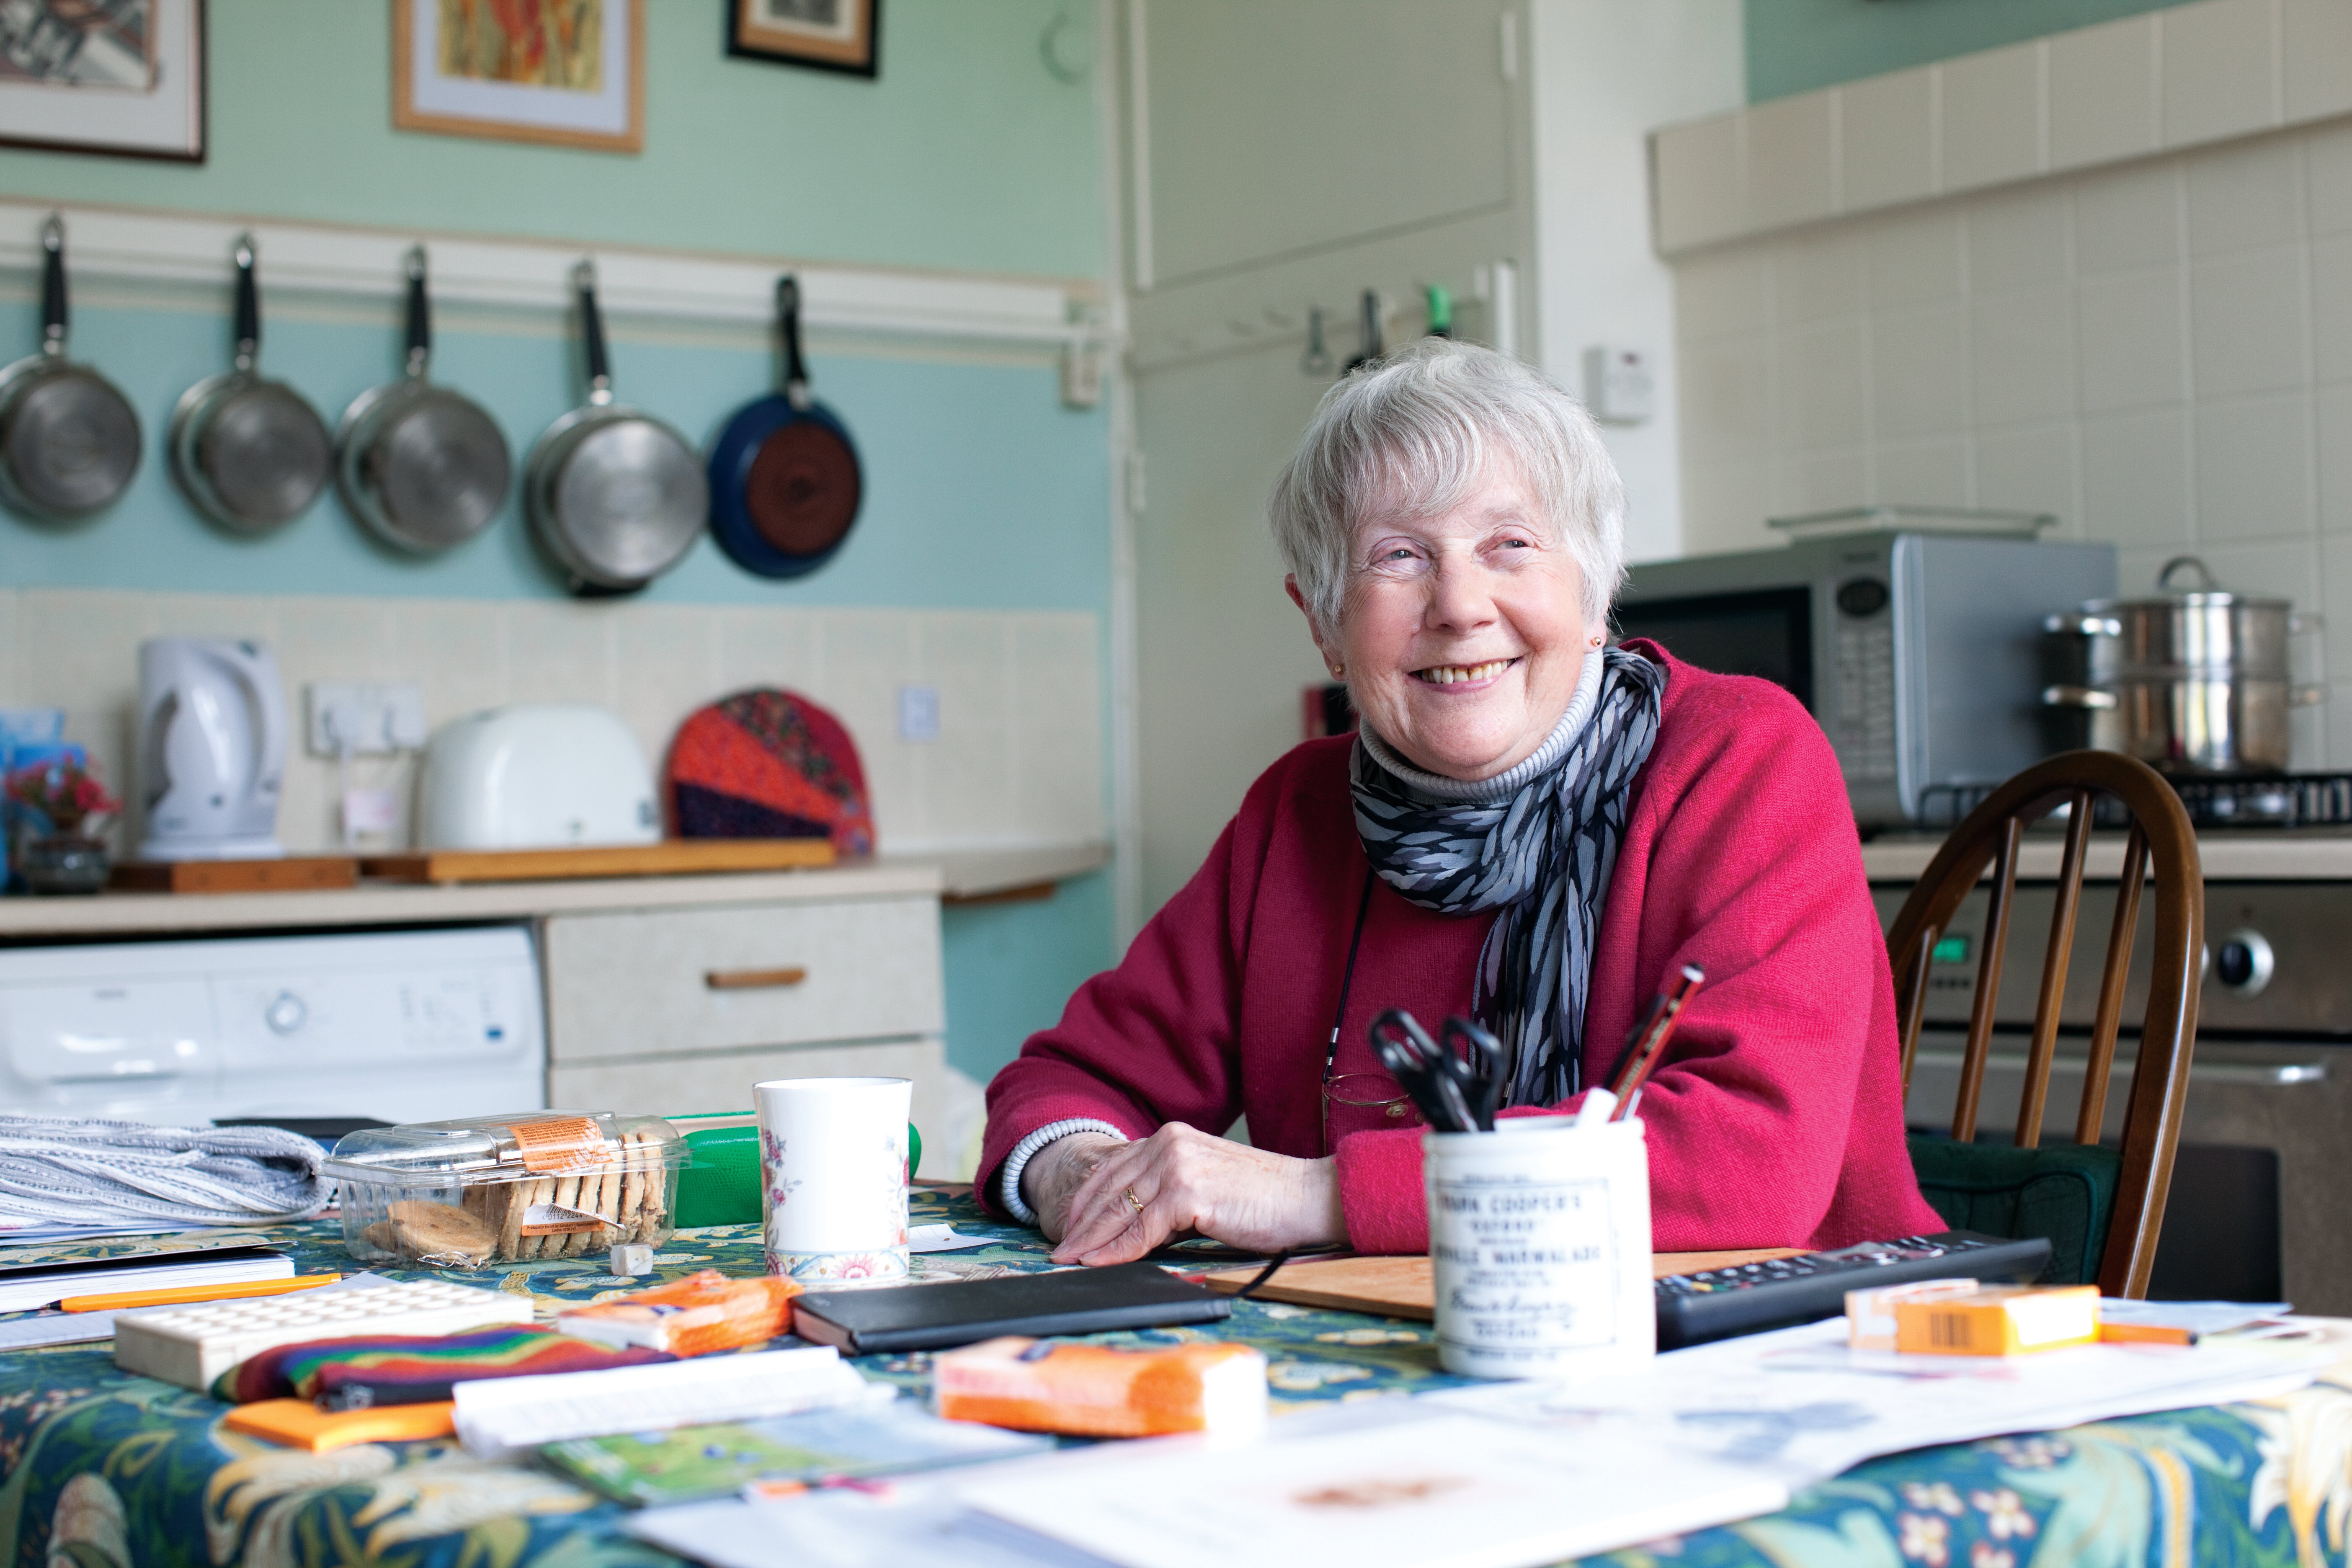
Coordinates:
x,y
421,466
616,496
249,453
2193,681
68,440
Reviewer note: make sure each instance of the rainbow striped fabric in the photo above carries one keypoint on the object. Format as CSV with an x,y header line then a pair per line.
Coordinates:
x,y
409,1368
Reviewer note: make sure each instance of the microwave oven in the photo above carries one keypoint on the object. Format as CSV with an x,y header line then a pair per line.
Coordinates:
x,y
1920,653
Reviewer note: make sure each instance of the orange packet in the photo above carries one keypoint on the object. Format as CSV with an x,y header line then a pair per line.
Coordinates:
x,y
298,1424
1097,1391
694,1316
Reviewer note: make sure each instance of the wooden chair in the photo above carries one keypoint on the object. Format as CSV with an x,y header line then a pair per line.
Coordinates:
x,y
2160,839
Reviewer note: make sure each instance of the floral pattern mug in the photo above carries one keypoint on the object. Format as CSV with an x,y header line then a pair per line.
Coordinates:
x,y
833,1177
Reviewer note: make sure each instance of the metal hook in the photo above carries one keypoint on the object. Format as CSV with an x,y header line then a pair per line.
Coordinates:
x,y
1317,359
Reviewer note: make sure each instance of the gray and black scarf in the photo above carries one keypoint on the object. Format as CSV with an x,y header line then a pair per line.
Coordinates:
x,y
1540,843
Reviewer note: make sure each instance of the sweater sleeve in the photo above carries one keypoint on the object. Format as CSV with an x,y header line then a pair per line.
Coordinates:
x,y
1746,866
1154,1040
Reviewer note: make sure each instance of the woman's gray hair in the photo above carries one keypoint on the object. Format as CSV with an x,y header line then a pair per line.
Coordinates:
x,y
1414,434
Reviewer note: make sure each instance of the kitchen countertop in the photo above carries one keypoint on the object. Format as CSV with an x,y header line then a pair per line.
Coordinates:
x,y
2237,854
967,874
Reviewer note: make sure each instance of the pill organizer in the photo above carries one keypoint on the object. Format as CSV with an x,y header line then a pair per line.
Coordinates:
x,y
192,1345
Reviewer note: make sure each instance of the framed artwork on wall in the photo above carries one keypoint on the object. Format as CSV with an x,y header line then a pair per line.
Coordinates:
x,y
830,35
567,72
104,76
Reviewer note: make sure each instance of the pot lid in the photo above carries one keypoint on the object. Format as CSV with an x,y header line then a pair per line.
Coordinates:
x,y
2207,593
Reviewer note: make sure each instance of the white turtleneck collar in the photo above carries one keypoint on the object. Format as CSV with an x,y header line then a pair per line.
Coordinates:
x,y
1503,785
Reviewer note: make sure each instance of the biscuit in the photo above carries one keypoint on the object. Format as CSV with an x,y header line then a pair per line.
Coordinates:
x,y
440,1233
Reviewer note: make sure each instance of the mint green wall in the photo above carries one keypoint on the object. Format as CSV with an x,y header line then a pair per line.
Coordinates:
x,y
967,153
1796,46
1011,967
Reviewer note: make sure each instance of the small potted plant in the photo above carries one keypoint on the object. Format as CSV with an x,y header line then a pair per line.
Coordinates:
x,y
62,808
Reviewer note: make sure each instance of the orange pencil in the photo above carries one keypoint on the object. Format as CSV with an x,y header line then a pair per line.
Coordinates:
x,y
122,1301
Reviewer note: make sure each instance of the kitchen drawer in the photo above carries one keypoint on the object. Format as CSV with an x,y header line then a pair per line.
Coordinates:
x,y
722,1080
642,983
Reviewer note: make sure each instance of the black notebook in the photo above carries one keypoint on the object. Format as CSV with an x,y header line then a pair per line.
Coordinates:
x,y
1068,1302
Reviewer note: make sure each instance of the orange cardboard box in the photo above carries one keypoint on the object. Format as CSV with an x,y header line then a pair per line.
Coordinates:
x,y
2000,1320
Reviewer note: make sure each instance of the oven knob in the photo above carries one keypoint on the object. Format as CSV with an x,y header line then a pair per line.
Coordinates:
x,y
285,1014
2243,963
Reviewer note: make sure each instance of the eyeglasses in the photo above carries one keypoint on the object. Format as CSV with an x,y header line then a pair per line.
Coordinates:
x,y
1362,1090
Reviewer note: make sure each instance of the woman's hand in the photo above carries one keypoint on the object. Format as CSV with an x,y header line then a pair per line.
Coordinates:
x,y
1056,1172
1181,1180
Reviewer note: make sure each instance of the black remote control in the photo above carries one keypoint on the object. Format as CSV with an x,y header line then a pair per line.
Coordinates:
x,y
1718,1303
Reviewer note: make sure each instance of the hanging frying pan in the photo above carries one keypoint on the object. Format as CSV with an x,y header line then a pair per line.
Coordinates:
x,y
420,466
615,495
69,441
785,479
250,454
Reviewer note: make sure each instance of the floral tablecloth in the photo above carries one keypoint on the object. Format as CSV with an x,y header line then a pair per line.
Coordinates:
x,y
105,1469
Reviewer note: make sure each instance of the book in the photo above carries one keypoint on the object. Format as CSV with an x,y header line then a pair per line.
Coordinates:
x,y
1067,1302
26,1285
691,1463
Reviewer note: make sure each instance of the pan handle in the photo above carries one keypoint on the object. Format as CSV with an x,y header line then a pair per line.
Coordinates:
x,y
788,313
420,314
592,335
53,285
248,307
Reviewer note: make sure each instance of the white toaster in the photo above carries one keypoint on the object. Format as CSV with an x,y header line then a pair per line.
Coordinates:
x,y
535,775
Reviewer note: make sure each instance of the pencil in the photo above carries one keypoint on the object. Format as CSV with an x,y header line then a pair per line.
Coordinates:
x,y
122,1300
1651,1042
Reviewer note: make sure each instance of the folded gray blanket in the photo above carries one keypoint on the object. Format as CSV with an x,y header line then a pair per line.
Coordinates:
x,y
64,1170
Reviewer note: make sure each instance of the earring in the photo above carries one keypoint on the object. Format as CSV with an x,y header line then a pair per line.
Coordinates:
x,y
1338,672
1596,642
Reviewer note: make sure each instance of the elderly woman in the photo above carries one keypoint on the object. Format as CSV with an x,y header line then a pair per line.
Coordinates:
x,y
1530,827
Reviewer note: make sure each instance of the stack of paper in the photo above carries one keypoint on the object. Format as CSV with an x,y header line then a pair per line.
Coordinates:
x,y
497,1417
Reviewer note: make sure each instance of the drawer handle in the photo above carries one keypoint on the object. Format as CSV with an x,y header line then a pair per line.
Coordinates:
x,y
753,979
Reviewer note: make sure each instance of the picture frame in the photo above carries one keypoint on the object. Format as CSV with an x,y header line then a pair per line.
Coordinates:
x,y
842,36
125,78
580,81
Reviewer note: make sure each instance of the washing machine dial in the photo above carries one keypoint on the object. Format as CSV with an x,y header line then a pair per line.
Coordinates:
x,y
285,1013
2243,963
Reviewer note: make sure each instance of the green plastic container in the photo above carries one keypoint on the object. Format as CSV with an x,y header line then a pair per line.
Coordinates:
x,y
720,1182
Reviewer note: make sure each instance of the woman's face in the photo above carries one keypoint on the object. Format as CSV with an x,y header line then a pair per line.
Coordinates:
x,y
1462,635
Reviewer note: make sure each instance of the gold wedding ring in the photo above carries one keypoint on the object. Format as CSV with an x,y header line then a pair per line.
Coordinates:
x,y
1132,1201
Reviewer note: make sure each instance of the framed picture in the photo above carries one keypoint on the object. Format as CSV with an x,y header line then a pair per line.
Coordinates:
x,y
831,35
567,72
104,76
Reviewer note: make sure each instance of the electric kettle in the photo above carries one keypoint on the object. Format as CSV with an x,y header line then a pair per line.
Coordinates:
x,y
211,749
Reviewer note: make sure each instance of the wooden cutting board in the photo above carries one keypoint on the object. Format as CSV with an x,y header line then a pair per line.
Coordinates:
x,y
1404,1288
671,858
289,874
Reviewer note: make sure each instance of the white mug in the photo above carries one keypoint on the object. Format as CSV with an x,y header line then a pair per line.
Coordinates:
x,y
833,1177
1540,1239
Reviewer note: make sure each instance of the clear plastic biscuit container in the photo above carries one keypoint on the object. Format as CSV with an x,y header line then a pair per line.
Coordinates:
x,y
506,1189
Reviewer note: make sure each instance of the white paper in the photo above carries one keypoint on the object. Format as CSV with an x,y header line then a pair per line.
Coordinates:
x,y
940,1239
498,1417
916,1524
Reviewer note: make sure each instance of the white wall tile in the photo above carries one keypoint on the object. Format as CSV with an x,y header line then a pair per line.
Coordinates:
x,y
2102,93
2253,469
1792,160
2135,479
1810,482
2218,70
9,666
2020,355
2315,50
453,652
2333,598
1822,394
2332,420
2249,330
1918,373
1887,139
2029,470
768,647
1726,396
1817,276
1914,259
559,652
1695,172
1724,502
1922,473
2131,329
1991,116
2019,237
2331,300
1723,294
666,666
2327,166
2129,218
2245,196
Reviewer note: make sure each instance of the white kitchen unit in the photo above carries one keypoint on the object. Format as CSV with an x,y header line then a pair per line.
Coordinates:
x,y
662,995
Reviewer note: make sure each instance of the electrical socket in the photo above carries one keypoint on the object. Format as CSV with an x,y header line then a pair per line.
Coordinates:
x,y
375,718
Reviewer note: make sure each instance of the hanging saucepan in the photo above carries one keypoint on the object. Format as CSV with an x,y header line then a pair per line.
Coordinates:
x,y
785,479
615,495
248,453
68,440
421,466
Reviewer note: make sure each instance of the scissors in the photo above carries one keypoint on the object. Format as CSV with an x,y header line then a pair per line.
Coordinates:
x,y
1458,1084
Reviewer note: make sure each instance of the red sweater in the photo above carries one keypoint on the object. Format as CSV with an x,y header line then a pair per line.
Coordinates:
x,y
1775,1118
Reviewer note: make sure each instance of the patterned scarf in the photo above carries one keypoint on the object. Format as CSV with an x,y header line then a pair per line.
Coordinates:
x,y
1540,843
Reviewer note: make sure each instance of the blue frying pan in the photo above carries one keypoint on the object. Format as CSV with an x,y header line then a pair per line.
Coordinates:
x,y
785,482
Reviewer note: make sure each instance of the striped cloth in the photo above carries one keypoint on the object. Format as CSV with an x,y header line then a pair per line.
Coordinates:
x,y
411,1369
67,1170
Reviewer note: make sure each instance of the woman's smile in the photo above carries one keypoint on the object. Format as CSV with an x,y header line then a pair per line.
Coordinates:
x,y
1462,680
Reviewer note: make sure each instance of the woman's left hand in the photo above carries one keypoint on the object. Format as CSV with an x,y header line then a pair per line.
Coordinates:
x,y
1181,1180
